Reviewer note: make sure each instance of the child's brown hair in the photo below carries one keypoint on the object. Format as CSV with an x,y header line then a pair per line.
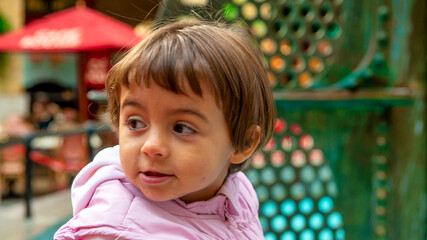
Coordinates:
x,y
222,57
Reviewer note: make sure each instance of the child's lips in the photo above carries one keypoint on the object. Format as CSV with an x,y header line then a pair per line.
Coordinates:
x,y
152,177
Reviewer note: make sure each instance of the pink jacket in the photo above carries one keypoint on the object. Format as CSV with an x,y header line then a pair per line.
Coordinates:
x,y
107,206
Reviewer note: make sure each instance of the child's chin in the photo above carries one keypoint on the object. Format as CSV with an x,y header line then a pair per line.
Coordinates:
x,y
157,197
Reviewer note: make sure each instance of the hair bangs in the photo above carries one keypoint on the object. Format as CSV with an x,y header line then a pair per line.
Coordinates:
x,y
172,66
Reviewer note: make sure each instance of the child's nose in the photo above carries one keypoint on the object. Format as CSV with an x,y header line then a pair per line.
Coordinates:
x,y
155,145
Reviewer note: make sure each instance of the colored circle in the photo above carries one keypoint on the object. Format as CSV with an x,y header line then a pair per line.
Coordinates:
x,y
258,160
277,64
278,192
262,193
270,236
239,2
298,191
286,47
268,46
305,79
326,234
288,207
278,223
340,234
315,221
306,205
307,174
230,11
333,30
267,11
270,145
280,125
334,220
298,158
298,222
306,142
264,223
269,208
259,28
268,176
253,176
288,143
325,204
316,189
332,189
287,174
316,157
325,173
307,234
249,11
277,158
288,235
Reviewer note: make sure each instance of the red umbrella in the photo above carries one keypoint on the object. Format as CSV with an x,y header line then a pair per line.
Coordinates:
x,y
76,29
72,29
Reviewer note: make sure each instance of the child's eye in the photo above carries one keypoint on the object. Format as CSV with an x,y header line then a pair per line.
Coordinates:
x,y
183,129
135,124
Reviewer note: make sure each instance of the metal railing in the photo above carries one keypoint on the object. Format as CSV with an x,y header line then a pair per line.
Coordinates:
x,y
27,141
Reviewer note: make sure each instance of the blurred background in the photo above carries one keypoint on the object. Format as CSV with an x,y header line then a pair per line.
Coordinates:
x,y
347,160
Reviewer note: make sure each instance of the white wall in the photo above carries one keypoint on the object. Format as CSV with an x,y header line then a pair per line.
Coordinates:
x,y
14,103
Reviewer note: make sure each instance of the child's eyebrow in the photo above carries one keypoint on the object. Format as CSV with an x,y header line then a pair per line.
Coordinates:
x,y
131,103
191,112
172,112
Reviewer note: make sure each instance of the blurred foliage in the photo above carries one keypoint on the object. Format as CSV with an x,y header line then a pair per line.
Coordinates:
x,y
4,27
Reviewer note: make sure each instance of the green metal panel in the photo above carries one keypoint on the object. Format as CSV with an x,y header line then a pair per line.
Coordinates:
x,y
308,43
347,160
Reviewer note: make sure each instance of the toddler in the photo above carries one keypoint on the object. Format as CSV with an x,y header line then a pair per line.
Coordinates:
x,y
190,103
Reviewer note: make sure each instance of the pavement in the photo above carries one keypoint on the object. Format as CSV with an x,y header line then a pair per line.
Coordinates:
x,y
48,213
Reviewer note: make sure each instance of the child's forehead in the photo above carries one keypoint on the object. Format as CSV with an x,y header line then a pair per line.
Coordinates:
x,y
184,88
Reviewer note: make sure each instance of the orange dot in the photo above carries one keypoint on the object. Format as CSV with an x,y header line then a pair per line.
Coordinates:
x,y
324,48
315,64
277,63
305,79
285,47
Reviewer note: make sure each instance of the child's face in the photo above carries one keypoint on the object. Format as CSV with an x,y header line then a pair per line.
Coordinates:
x,y
173,145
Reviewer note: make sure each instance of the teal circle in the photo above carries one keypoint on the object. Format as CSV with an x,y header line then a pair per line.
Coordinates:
x,y
278,192
315,221
262,193
288,207
298,222
268,176
287,174
333,30
253,176
307,234
332,189
340,234
325,173
326,234
270,236
308,174
264,223
334,220
288,235
278,223
306,205
325,204
269,208
316,189
298,191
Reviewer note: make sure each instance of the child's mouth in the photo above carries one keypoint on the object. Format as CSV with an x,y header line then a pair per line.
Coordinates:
x,y
150,177
154,174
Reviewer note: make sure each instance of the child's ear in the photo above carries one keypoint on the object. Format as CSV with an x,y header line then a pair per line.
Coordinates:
x,y
240,156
